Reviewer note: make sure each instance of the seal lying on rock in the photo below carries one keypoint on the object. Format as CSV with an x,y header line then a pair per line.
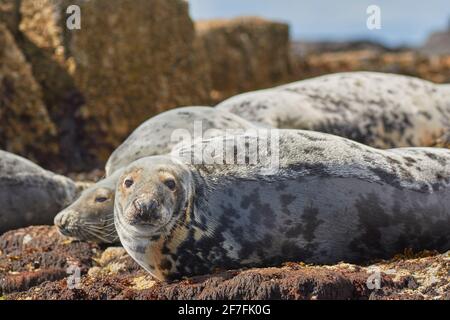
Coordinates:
x,y
30,195
91,216
159,134
378,109
329,199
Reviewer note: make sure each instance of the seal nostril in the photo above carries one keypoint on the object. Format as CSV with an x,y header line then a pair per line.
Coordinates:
x,y
137,205
151,205
144,210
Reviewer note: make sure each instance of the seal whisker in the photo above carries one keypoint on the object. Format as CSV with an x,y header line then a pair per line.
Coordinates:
x,y
96,234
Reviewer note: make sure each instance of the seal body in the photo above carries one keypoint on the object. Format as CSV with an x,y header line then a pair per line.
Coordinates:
x,y
30,195
378,109
328,199
159,134
90,217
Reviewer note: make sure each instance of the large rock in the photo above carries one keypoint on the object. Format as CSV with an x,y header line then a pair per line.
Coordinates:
x,y
9,14
139,61
245,54
112,274
130,60
25,125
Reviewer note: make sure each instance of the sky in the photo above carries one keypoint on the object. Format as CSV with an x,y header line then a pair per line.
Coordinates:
x,y
403,22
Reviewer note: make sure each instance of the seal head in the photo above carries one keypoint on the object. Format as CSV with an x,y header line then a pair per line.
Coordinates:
x,y
153,196
91,216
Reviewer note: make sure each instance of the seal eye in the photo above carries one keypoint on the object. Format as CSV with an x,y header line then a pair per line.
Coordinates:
x,y
170,183
101,199
128,182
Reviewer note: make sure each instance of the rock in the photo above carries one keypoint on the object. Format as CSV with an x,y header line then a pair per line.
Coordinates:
x,y
436,69
41,34
139,61
304,48
130,60
114,275
9,15
31,256
438,43
443,141
245,54
25,125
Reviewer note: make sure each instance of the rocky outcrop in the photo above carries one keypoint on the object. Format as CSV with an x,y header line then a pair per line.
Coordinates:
x,y
25,125
139,61
436,69
245,54
112,274
305,48
443,141
438,43
130,60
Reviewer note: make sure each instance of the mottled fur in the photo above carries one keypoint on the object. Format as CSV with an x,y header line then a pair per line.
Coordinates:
x,y
331,199
153,137
378,109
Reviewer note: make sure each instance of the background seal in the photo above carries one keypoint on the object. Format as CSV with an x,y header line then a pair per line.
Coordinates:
x,y
30,195
381,110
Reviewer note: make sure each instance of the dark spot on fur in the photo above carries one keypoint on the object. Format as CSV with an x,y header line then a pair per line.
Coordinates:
x,y
372,217
165,264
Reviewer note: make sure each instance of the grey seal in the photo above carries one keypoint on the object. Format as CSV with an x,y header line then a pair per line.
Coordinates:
x,y
90,217
330,199
30,195
381,110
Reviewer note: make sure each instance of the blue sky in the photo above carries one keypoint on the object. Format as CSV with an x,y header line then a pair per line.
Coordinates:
x,y
402,21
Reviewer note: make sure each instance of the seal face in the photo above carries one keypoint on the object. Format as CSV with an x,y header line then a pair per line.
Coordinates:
x,y
378,109
30,195
90,217
330,199
151,202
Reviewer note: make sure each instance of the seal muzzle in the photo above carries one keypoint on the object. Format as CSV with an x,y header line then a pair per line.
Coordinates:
x,y
143,211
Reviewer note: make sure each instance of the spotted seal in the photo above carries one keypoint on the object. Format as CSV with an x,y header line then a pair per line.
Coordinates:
x,y
90,217
378,109
156,135
30,195
330,199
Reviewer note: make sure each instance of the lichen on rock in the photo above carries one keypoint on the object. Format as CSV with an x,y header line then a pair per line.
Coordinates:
x,y
25,125
245,54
